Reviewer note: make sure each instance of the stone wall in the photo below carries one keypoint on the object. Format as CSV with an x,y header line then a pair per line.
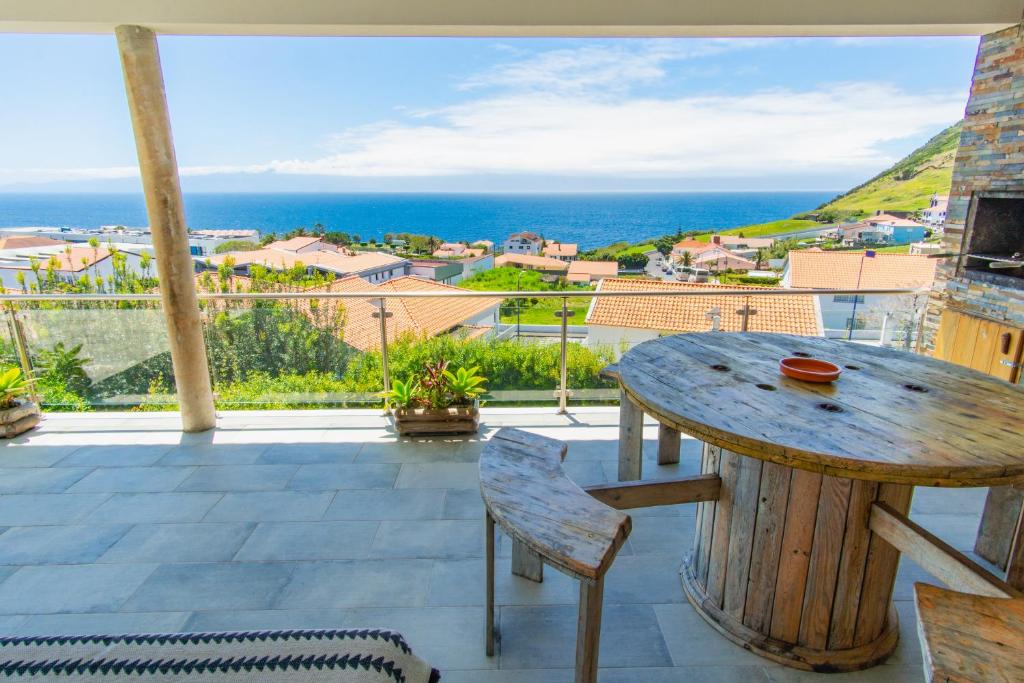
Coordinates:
x,y
990,158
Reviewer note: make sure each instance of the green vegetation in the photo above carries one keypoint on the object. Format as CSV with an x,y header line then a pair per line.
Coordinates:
x,y
908,184
236,245
529,310
13,385
741,279
767,229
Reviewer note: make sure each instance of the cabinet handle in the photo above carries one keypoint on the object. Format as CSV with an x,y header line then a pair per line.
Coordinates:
x,y
1006,338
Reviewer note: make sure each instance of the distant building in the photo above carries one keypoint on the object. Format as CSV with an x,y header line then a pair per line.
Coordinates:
x,y
523,243
71,261
449,250
302,245
374,267
200,242
445,272
486,245
528,262
873,317
734,242
926,248
718,259
691,247
591,271
561,251
882,229
471,265
619,322
935,214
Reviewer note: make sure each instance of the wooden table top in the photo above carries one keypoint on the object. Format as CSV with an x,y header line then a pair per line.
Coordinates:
x,y
892,416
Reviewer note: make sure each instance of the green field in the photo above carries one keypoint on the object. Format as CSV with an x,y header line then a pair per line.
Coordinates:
x,y
543,312
767,229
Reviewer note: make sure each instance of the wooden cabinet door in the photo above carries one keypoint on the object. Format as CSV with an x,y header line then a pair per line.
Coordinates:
x,y
982,345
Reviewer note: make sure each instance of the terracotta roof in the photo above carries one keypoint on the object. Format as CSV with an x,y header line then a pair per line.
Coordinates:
x,y
532,236
409,316
718,253
692,246
27,242
528,260
560,249
843,269
585,271
332,261
293,244
79,259
782,314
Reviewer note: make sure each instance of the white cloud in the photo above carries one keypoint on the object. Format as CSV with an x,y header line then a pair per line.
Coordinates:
x,y
559,113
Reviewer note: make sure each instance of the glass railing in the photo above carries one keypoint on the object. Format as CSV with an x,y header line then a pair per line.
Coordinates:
x,y
284,350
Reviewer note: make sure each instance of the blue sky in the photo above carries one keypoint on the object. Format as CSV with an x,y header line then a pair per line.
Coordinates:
x,y
473,114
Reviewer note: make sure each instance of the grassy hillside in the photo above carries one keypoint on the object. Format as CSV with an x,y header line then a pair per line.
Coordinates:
x,y
908,184
767,229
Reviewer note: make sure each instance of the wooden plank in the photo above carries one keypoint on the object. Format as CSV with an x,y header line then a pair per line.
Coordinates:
x,y
851,569
771,519
631,439
709,510
588,630
970,638
527,563
668,445
962,351
640,494
944,338
795,555
998,519
741,536
489,558
718,557
1015,563
880,570
823,568
935,556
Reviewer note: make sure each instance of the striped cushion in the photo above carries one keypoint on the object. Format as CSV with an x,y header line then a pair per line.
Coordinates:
x,y
351,655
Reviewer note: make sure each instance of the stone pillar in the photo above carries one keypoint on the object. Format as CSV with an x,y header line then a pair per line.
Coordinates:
x,y
144,84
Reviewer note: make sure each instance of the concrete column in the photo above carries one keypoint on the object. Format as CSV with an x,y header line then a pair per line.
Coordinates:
x,y
144,83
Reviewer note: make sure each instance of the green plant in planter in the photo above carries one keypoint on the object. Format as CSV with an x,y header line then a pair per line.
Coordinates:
x,y
464,385
403,394
13,384
435,384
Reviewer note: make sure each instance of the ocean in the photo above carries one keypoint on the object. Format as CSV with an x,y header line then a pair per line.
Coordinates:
x,y
591,220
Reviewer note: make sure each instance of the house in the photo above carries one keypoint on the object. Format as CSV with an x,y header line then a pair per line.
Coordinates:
x,y
200,242
374,267
691,247
621,322
926,248
591,271
523,243
528,262
408,317
486,245
70,261
445,272
561,251
718,259
302,245
935,214
472,265
883,229
873,317
738,242
449,250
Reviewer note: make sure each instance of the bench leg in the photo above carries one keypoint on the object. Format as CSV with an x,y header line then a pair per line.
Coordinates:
x,y
631,438
588,630
526,563
668,445
489,554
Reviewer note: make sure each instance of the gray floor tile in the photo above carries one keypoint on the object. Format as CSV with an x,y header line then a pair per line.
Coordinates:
x,y
384,504
9,623
115,456
690,674
692,642
167,543
887,673
936,500
70,544
309,453
509,676
189,587
662,535
214,454
33,456
441,475
56,508
585,473
463,504
332,477
418,451
442,538
257,620
101,624
461,582
132,479
71,588
270,506
308,541
544,637
154,508
357,583
40,480
644,579
239,478
960,531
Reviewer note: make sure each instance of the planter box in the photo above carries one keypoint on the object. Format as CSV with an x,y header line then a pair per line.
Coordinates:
x,y
422,421
23,416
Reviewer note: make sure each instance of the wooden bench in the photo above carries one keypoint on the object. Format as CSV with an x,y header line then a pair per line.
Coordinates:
x,y
549,518
970,638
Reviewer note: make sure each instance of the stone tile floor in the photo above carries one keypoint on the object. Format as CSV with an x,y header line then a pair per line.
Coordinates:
x,y
117,522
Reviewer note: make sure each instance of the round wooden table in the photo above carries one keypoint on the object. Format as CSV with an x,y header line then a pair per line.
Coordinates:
x,y
783,563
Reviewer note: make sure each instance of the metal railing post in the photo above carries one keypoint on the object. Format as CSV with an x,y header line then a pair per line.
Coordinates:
x,y
21,346
563,389
383,315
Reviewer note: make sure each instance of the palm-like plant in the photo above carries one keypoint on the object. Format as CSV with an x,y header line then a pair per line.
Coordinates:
x,y
464,384
403,394
13,384
65,366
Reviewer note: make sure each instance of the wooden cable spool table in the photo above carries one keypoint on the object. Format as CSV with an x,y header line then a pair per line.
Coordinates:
x,y
784,562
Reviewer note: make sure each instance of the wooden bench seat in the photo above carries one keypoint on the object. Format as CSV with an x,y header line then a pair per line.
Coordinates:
x,y
527,493
970,638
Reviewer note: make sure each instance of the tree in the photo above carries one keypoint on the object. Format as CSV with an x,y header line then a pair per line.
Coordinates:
x,y
687,259
631,261
95,244
665,244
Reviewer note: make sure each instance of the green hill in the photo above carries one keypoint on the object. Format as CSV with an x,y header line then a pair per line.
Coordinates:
x,y
908,184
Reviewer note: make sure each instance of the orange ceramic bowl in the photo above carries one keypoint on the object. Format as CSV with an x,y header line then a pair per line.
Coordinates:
x,y
809,369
